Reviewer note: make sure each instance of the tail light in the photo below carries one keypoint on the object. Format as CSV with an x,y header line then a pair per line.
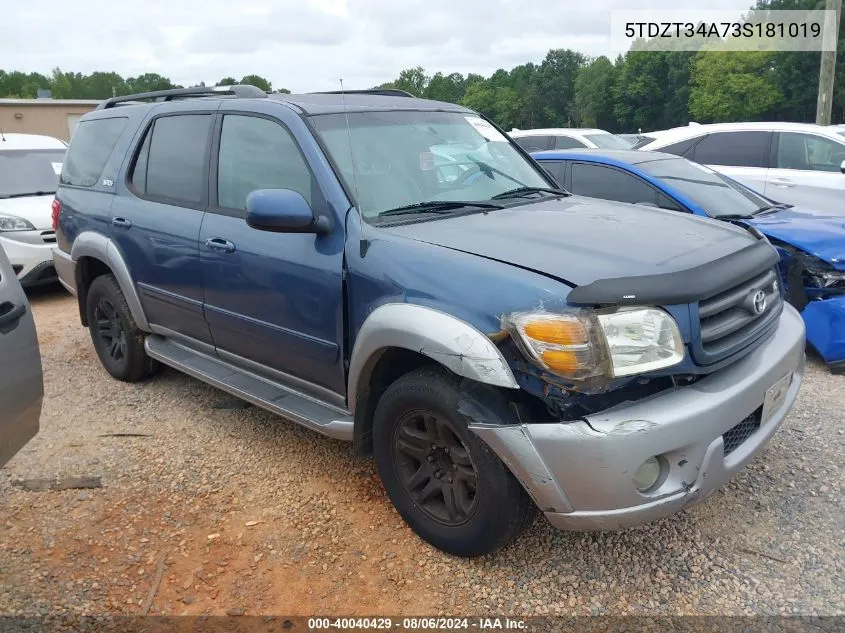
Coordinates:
x,y
57,209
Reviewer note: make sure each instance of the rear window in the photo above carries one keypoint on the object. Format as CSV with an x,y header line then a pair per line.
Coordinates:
x,y
90,148
608,141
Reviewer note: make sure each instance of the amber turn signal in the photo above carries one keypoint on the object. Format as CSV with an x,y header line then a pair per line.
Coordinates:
x,y
557,331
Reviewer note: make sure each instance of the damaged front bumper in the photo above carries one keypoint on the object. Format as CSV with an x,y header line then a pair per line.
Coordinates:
x,y
580,473
825,322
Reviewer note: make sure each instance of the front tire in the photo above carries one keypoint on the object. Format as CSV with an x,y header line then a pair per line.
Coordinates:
x,y
116,337
446,483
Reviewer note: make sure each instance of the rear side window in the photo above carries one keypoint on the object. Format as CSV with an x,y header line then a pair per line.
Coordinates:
x,y
535,143
598,181
734,149
567,142
681,148
90,148
256,153
171,162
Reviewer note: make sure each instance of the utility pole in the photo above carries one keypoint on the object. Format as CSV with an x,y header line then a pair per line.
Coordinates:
x,y
828,66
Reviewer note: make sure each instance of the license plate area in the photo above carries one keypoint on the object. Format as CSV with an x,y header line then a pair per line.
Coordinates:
x,y
775,397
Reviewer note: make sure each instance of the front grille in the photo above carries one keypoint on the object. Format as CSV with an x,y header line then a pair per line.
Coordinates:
x,y
49,237
734,438
731,317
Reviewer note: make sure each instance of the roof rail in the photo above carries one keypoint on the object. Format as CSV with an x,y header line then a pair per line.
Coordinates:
x,y
240,91
384,92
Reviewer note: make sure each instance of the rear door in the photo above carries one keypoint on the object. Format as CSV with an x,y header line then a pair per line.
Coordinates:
x,y
806,171
21,385
156,221
744,156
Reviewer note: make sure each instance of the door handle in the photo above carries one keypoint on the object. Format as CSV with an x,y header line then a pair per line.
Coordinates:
x,y
10,314
782,182
220,245
121,222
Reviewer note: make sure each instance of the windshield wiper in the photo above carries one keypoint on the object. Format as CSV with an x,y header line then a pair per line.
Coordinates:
x,y
773,207
439,206
734,216
26,195
519,192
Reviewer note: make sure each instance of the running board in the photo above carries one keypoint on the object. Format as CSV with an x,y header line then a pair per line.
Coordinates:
x,y
284,401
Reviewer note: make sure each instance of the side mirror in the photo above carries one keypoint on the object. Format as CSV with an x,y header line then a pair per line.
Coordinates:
x,y
283,211
842,167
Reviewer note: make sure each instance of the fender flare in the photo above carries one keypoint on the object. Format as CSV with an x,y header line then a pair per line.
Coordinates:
x,y
442,337
98,246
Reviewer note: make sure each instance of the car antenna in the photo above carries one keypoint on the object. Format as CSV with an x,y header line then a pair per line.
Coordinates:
x,y
364,244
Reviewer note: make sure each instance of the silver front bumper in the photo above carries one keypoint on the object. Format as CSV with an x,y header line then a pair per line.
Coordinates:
x,y
580,473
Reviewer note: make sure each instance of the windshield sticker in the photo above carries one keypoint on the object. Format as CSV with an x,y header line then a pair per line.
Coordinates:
x,y
485,129
426,161
57,167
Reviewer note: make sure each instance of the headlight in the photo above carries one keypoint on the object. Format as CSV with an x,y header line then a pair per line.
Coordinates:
x,y
821,275
12,223
585,344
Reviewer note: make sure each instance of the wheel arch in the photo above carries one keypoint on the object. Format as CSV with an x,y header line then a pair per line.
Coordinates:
x,y
399,337
95,254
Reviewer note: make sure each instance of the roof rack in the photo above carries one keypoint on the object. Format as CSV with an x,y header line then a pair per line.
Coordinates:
x,y
384,92
239,91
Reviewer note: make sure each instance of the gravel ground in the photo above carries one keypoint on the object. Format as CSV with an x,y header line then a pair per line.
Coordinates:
x,y
215,509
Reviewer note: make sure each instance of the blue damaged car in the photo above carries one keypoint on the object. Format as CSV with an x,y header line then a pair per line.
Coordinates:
x,y
395,272
811,243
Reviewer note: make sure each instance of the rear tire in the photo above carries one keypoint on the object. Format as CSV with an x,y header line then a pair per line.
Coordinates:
x,y
446,483
116,337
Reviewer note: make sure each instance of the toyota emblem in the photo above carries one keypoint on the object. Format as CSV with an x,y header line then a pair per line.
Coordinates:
x,y
759,302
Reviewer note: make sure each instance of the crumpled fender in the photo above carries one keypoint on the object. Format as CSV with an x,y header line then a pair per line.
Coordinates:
x,y
825,323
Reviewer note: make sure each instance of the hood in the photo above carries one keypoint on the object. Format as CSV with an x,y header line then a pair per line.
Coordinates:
x,y
35,209
818,233
580,240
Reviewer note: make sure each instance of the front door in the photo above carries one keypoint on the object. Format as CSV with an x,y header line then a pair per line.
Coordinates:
x,y
21,385
807,171
156,222
272,300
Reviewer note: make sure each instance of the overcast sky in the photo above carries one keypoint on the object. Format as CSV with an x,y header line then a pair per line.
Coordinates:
x,y
306,45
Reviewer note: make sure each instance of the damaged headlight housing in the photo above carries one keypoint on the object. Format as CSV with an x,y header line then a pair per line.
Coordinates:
x,y
585,345
819,274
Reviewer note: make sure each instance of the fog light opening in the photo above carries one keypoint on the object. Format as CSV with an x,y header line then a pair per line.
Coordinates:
x,y
650,474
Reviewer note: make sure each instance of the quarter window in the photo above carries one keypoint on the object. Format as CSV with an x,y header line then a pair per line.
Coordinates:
x,y
90,148
171,162
256,153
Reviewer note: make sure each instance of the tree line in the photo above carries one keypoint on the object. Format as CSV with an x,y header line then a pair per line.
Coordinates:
x,y
644,89
101,85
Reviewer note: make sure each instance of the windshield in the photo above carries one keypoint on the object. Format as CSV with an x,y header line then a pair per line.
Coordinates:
x,y
27,172
410,157
608,141
714,193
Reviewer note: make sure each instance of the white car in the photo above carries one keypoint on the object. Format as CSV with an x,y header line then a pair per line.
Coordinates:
x,y
795,163
567,138
29,173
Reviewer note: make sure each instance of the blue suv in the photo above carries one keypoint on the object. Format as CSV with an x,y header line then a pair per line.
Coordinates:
x,y
397,273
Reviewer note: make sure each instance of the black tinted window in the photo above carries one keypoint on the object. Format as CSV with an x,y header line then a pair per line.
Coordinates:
x,y
535,143
556,168
257,153
737,149
173,157
567,142
90,148
681,148
598,181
